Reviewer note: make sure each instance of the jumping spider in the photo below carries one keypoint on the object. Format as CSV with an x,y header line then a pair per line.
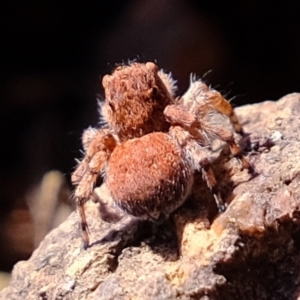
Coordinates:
x,y
152,143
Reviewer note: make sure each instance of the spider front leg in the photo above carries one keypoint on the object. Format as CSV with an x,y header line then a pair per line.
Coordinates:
x,y
227,137
199,159
86,139
179,115
201,99
98,150
209,177
221,105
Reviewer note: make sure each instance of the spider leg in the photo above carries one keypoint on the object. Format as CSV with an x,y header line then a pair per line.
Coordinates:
x,y
179,115
87,173
88,136
222,106
84,226
200,99
211,182
200,156
84,190
79,172
226,136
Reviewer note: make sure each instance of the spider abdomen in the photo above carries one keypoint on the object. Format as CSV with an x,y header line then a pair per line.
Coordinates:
x,y
149,176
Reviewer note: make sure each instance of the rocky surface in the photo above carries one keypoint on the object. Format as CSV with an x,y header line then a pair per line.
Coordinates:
x,y
251,251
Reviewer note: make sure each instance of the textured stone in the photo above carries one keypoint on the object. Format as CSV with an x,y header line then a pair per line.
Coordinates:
x,y
251,251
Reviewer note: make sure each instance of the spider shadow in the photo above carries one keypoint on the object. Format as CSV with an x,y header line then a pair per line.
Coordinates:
x,y
159,235
127,232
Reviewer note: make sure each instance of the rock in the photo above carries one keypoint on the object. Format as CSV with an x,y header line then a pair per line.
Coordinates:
x,y
4,280
251,251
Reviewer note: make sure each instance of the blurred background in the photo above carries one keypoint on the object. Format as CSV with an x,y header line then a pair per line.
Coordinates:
x,y
54,54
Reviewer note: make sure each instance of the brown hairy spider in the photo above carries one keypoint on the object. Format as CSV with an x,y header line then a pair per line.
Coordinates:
x,y
151,143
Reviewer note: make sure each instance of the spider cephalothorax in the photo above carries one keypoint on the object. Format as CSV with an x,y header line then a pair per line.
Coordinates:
x,y
151,144
135,98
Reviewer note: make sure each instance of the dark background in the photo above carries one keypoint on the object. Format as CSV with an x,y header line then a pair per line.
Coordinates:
x,y
53,55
